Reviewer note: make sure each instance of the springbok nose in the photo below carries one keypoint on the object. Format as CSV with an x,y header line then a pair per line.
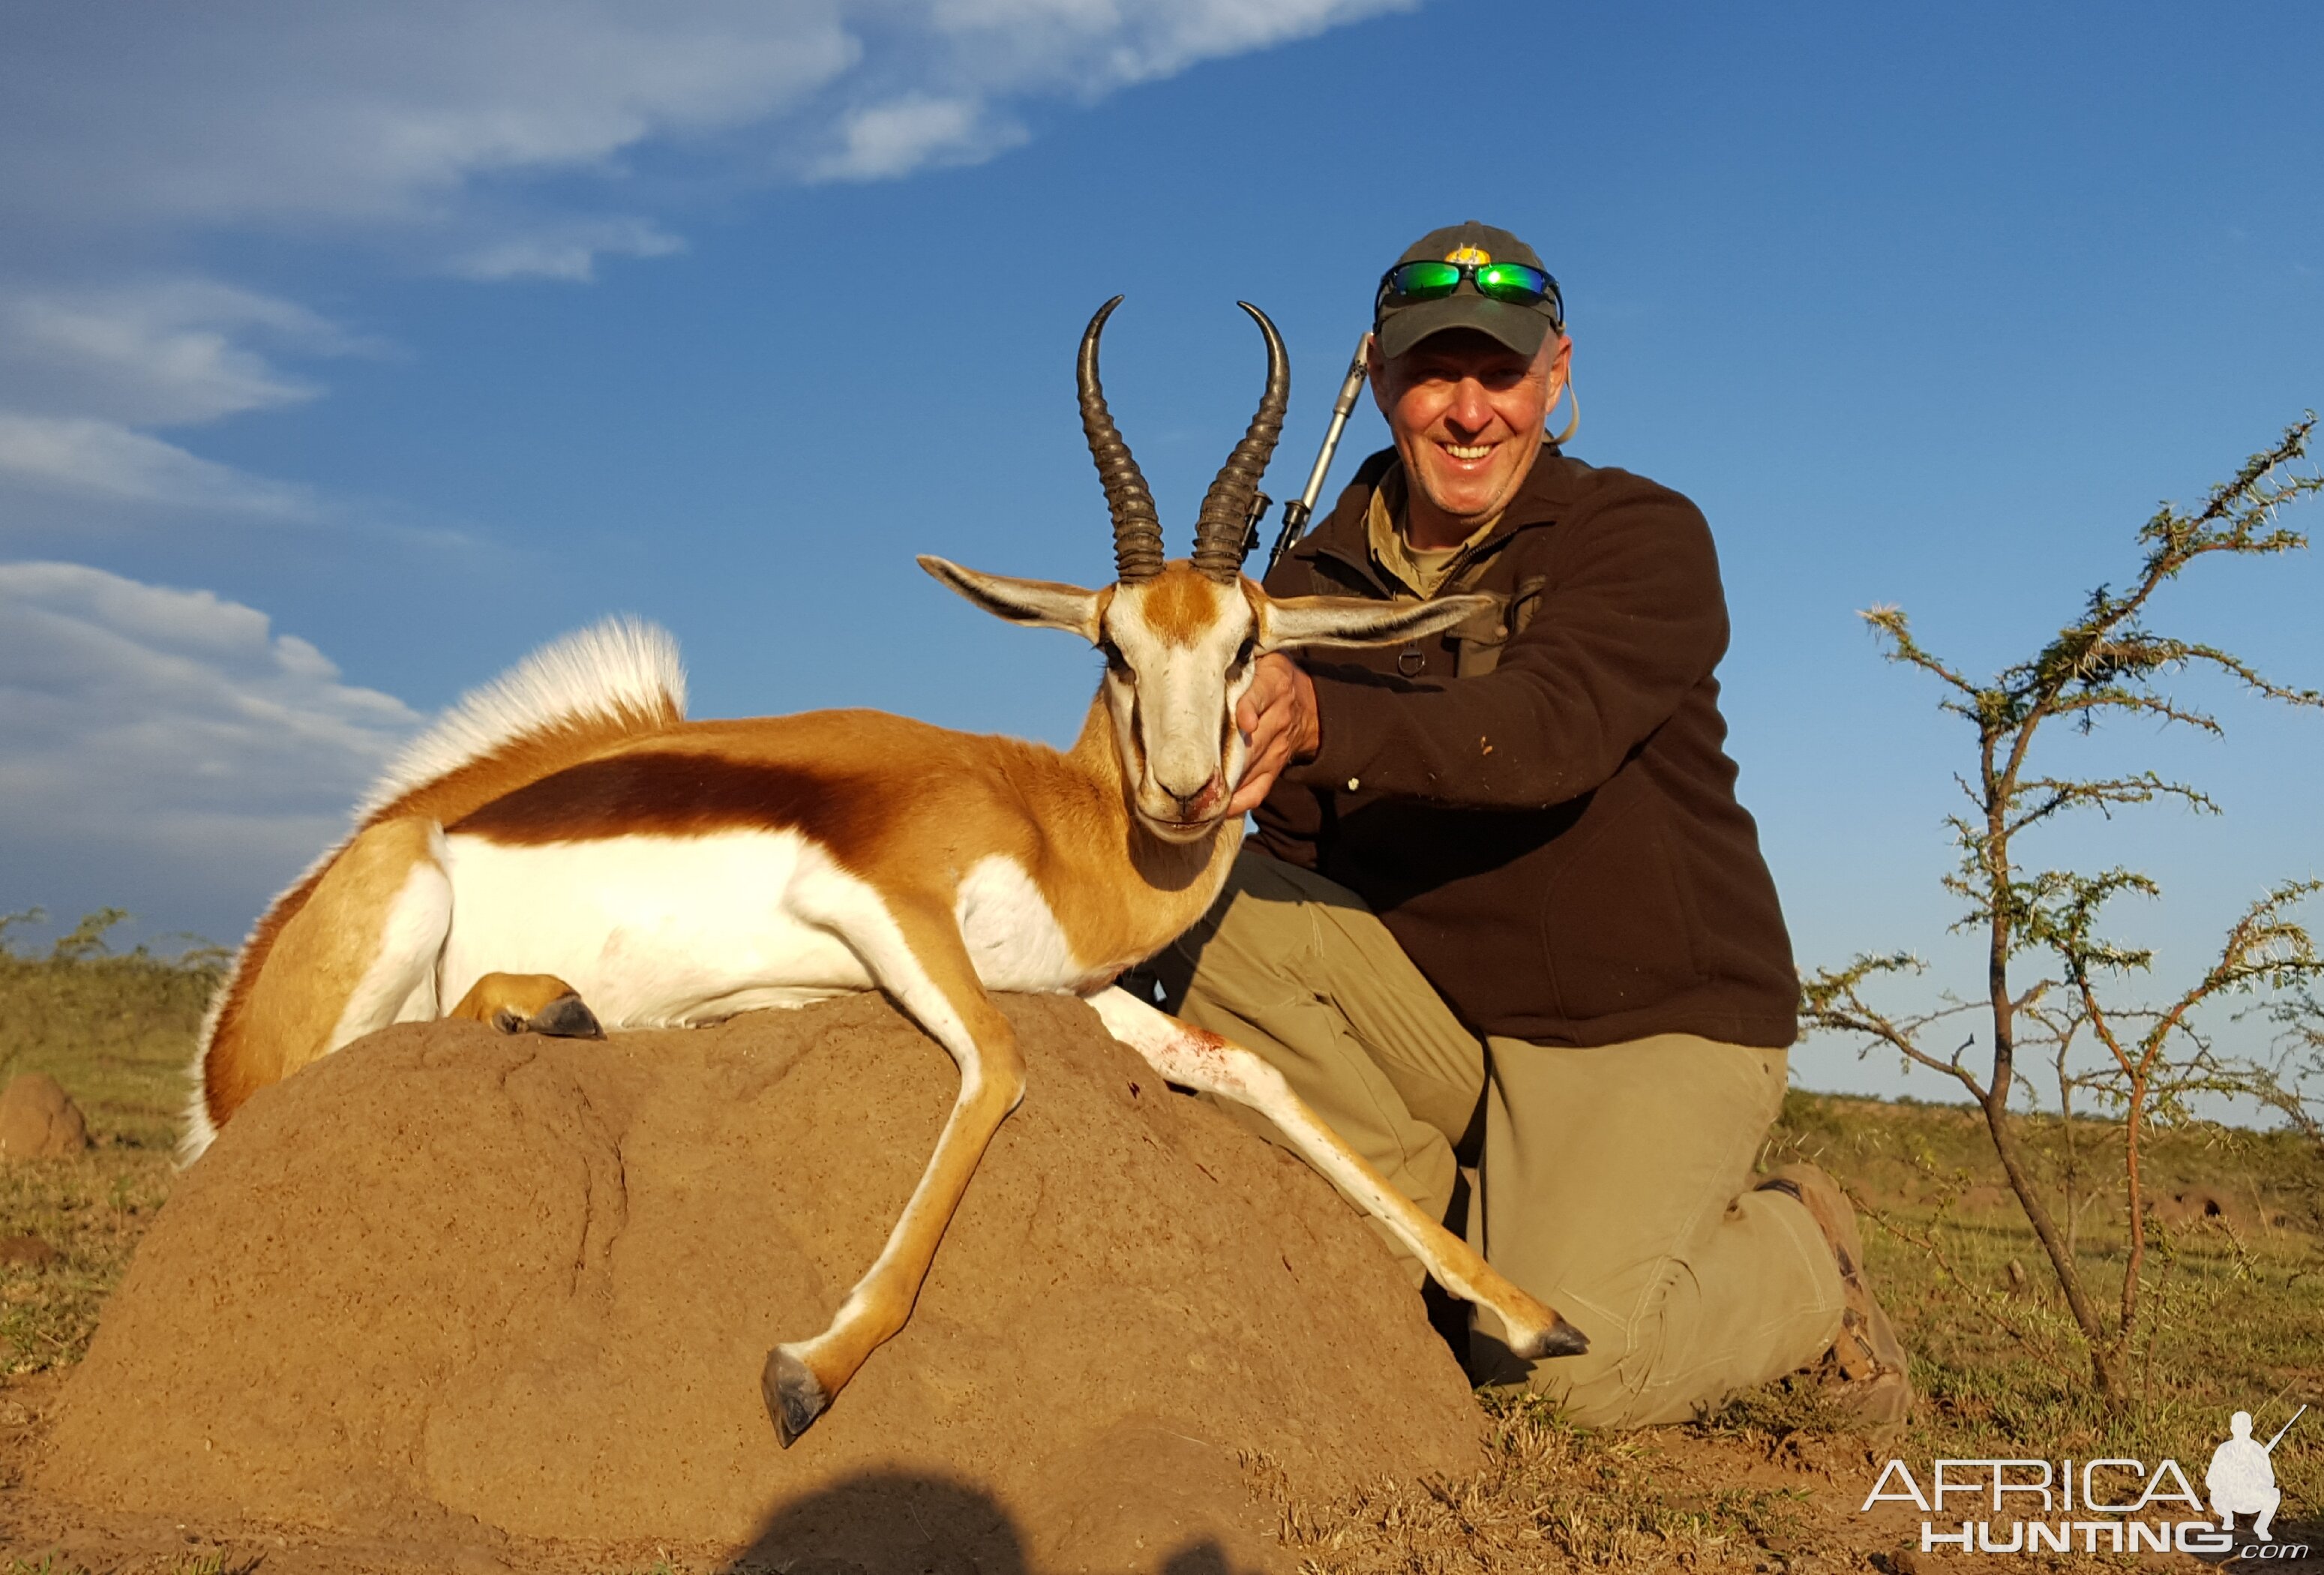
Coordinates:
x,y
1192,805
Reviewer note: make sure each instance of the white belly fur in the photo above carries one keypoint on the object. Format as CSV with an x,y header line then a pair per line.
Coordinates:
x,y
657,931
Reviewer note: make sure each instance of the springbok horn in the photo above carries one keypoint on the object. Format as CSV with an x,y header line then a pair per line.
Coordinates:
x,y
1137,527
1223,528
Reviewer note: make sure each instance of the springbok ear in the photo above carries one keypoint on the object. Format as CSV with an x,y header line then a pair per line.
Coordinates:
x,y
1040,604
1295,621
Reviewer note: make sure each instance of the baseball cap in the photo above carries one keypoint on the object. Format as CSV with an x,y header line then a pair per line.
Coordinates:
x,y
1520,327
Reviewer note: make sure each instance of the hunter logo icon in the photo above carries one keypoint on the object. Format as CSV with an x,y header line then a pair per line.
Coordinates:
x,y
2242,1478
1476,254
2106,1505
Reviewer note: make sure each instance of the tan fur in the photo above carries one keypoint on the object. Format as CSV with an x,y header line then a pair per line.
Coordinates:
x,y
1181,603
902,802
242,1054
993,1080
528,758
497,998
1119,893
324,945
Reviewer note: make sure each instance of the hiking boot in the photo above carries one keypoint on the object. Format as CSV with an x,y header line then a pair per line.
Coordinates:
x,y
1865,1366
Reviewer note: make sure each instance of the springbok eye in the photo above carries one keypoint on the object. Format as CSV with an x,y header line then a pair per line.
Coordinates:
x,y
1115,662
1249,649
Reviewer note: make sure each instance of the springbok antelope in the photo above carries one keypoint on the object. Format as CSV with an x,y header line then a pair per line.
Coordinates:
x,y
566,836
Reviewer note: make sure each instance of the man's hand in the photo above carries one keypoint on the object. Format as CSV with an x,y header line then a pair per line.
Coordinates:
x,y
1277,715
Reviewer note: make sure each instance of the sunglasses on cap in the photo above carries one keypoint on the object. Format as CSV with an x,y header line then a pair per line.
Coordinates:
x,y
1512,283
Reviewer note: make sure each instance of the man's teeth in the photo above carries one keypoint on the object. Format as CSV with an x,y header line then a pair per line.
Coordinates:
x,y
1468,450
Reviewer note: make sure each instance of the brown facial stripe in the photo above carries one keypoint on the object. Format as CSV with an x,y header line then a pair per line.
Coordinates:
x,y
683,793
1180,605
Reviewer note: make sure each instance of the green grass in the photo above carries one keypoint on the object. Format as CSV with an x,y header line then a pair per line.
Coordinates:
x,y
92,1209
117,1032
2234,1298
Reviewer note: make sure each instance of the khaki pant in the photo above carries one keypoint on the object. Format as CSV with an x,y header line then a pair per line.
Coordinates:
x,y
1611,1180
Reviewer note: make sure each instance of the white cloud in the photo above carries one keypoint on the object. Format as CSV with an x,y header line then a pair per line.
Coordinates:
x,y
301,114
896,138
417,115
81,456
489,139
153,739
80,370
1095,45
162,352
567,251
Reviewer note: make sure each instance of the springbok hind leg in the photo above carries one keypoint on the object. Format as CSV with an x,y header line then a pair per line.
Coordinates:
x,y
918,958
342,966
528,1003
1199,1059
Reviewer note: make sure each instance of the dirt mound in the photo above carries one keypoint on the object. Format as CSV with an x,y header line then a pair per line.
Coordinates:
x,y
39,1120
445,1278
2195,1205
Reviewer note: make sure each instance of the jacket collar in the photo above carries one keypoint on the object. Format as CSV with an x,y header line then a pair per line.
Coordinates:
x,y
1344,536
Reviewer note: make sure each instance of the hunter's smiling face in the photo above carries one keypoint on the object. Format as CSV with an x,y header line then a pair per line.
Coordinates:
x,y
1467,413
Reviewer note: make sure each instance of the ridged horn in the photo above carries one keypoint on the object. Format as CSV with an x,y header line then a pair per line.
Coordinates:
x,y
1221,529
1137,527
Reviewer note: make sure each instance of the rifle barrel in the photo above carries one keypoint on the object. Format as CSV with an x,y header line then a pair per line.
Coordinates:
x,y
1301,509
2284,1429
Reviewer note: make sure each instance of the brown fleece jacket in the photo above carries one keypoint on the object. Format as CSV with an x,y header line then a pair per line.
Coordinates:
x,y
1542,812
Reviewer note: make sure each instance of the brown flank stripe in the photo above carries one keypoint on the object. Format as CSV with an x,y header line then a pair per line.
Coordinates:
x,y
685,794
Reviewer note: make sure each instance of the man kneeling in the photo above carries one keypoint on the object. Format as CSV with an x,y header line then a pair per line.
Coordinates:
x,y
1504,912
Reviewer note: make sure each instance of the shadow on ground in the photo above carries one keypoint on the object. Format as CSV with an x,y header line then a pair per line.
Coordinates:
x,y
2298,1545
896,1522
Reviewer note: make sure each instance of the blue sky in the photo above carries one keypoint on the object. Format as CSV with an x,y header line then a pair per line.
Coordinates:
x,y
346,354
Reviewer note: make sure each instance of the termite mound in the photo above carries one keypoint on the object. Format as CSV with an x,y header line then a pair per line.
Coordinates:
x,y
447,1278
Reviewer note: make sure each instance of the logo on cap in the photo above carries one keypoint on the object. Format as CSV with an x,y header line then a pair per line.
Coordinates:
x,y
1476,254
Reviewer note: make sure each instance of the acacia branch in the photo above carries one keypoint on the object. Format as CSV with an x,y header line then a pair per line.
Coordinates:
x,y
1833,1000
2265,946
2052,795
1888,618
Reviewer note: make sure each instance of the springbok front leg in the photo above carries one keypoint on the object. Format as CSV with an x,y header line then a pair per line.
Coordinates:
x,y
913,951
1198,1059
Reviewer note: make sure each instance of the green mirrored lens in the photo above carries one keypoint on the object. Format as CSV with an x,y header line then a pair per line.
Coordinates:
x,y
1426,280
1512,282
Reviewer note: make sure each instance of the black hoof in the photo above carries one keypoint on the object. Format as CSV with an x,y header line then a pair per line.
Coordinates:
x,y
794,1397
1562,1340
567,1018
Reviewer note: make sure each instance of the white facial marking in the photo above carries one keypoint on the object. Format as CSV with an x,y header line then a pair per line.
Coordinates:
x,y
1174,712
